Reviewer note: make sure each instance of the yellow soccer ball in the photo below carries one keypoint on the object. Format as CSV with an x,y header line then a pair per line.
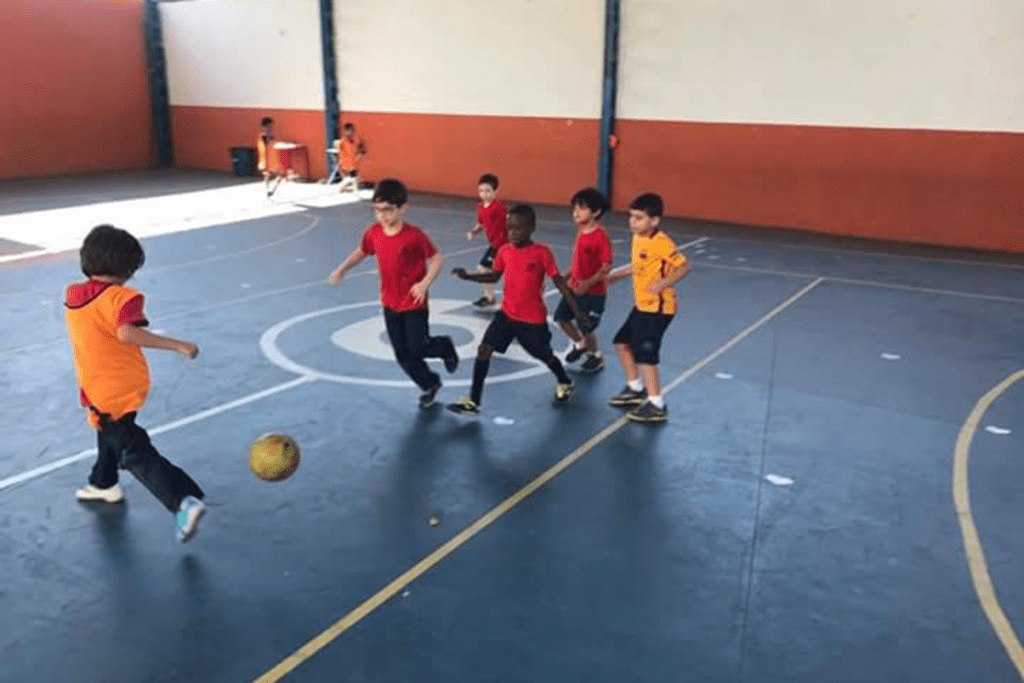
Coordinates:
x,y
274,457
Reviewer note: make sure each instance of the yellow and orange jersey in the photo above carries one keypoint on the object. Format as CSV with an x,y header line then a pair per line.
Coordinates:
x,y
655,257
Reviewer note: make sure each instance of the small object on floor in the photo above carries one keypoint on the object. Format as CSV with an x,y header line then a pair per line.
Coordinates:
x,y
1000,431
274,457
723,375
890,356
504,421
434,520
779,480
89,493
191,511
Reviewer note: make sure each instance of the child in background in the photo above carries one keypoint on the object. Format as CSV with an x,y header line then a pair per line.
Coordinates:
x,y
490,218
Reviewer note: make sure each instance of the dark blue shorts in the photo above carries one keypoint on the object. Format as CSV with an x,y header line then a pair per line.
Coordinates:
x,y
591,303
643,333
487,261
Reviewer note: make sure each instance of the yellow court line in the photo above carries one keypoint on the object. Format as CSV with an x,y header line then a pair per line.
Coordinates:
x,y
972,542
321,641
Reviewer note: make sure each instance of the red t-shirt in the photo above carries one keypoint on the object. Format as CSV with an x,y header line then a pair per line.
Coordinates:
x,y
591,251
402,262
524,269
492,218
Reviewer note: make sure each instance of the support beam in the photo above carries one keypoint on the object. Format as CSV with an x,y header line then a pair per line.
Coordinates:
x,y
331,113
159,99
608,96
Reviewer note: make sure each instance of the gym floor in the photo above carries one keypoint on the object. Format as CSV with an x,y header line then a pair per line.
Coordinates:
x,y
803,515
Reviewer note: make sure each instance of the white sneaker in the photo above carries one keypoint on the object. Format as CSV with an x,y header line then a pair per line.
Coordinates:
x,y
115,494
189,514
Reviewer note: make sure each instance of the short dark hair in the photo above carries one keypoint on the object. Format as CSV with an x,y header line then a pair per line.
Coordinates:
x,y
111,251
489,179
391,191
591,198
266,120
349,126
650,203
525,213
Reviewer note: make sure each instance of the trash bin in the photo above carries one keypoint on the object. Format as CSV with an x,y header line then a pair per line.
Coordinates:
x,y
243,160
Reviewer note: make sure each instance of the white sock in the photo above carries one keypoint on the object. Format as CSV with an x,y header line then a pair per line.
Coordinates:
x,y
596,354
582,344
657,401
636,384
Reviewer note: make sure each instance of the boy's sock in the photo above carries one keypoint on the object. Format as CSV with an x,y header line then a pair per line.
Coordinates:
x,y
657,401
635,384
480,369
558,369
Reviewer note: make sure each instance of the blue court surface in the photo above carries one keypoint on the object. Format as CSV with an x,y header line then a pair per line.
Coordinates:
x,y
844,434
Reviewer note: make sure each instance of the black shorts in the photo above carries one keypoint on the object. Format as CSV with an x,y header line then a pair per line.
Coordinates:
x,y
591,303
487,261
535,338
643,332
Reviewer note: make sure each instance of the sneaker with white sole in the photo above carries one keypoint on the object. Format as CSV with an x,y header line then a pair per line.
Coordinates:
x,y
189,514
114,494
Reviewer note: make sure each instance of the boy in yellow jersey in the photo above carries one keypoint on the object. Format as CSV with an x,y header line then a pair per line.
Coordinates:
x,y
657,265
106,324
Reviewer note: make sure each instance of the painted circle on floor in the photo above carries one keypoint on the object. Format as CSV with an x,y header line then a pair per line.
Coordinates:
x,y
367,339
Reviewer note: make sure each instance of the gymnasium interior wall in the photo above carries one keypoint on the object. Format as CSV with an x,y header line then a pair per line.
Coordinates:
x,y
232,62
444,91
76,95
900,121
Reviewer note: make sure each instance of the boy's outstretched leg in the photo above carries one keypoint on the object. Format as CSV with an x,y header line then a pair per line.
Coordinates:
x,y
536,341
177,491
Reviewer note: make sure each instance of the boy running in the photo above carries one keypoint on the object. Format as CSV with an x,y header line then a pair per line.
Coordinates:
x,y
591,262
105,323
490,218
408,262
523,315
656,266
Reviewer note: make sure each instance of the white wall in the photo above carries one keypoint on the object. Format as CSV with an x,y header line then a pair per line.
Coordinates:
x,y
244,53
508,58
945,64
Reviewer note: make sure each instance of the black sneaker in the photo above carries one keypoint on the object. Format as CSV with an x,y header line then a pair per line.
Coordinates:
x,y
484,302
428,396
465,406
451,361
627,397
574,355
592,364
648,413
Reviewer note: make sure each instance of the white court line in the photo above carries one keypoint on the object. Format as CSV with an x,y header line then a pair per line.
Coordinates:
x,y
866,283
252,250
222,304
224,407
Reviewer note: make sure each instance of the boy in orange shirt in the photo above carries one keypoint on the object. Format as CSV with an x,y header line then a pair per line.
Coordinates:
x,y
350,152
105,323
656,266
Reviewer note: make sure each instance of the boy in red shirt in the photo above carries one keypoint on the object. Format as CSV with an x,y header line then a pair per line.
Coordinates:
x,y
105,323
490,218
408,262
523,315
591,262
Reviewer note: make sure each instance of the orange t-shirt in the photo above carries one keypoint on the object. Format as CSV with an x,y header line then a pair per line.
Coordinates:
x,y
264,145
349,154
113,376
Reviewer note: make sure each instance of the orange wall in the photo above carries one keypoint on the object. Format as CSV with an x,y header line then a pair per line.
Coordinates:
x,y
74,94
537,159
203,136
947,188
